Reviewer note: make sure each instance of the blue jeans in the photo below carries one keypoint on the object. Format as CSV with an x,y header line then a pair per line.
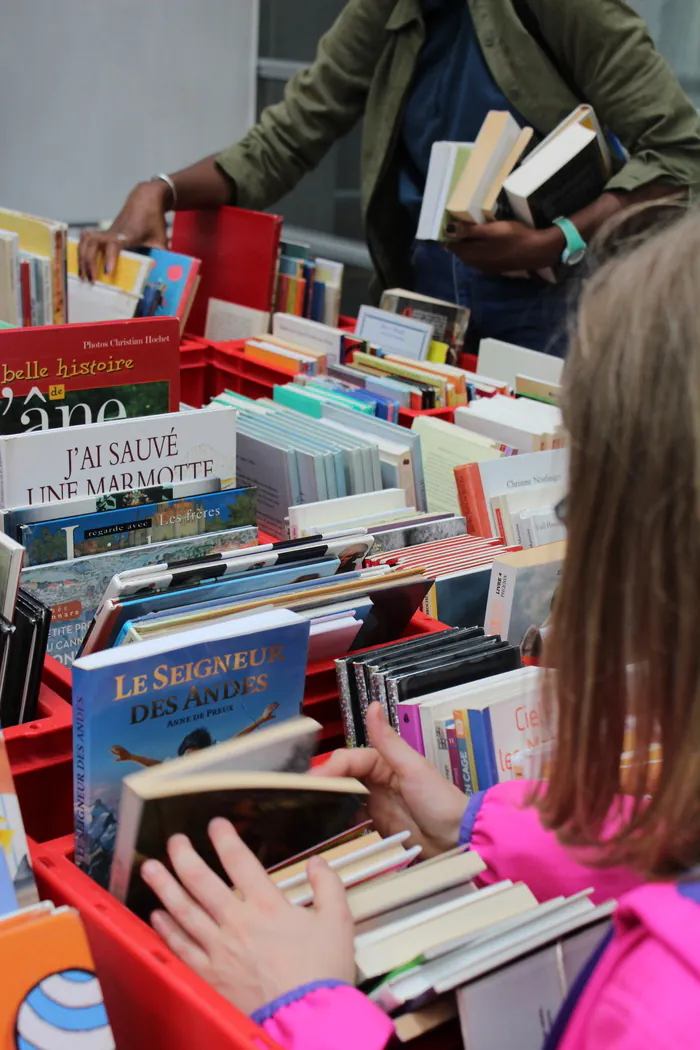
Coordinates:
x,y
530,313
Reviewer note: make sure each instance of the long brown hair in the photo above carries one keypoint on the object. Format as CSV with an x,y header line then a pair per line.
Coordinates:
x,y
625,637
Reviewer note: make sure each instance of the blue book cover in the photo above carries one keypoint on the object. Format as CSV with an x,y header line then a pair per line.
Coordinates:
x,y
481,747
73,590
170,283
163,602
141,705
227,606
86,534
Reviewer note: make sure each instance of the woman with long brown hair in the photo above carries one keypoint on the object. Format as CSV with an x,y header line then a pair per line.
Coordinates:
x,y
624,642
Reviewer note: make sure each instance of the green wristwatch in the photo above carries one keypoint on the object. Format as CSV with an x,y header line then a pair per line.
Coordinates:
x,y
576,247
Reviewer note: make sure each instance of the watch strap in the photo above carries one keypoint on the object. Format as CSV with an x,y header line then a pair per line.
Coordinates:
x,y
575,244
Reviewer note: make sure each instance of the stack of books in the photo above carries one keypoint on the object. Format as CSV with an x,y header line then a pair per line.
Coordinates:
x,y
33,270
305,446
501,175
149,282
409,669
307,286
431,944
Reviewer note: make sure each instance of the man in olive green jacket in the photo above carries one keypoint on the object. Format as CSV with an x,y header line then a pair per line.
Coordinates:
x,y
545,56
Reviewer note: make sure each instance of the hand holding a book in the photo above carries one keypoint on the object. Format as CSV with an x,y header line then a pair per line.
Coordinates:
x,y
252,946
141,222
406,791
505,247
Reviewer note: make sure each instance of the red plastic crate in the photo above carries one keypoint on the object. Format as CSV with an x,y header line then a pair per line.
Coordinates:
x,y
41,757
154,1001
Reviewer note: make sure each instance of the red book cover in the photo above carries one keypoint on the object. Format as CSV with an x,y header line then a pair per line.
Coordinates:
x,y
239,250
26,287
65,375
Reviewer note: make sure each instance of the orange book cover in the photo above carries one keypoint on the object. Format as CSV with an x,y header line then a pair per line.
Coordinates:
x,y
472,502
288,365
51,996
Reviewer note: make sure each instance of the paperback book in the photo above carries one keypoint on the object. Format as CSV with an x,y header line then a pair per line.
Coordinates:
x,y
138,706
68,375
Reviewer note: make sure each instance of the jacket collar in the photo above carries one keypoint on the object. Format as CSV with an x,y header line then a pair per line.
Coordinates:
x,y
405,13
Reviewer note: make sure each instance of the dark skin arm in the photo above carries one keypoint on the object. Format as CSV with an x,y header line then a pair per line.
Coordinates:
x,y
142,219
505,247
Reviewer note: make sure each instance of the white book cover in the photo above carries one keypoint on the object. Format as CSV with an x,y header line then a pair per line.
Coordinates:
x,y
395,334
98,458
515,1006
517,473
505,361
347,507
89,302
314,334
232,321
444,447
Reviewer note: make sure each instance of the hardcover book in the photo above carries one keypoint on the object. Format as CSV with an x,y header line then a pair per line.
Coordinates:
x,y
61,375
73,590
44,467
105,531
140,705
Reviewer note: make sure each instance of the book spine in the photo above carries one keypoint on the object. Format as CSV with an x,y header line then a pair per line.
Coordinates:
x,y
470,782
442,749
483,759
490,747
81,774
409,726
472,502
377,688
453,749
500,600
393,699
341,670
498,514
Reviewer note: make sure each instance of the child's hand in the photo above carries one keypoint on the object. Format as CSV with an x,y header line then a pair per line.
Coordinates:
x,y
406,791
254,949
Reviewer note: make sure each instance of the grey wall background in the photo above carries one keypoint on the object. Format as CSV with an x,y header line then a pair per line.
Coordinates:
x,y
97,94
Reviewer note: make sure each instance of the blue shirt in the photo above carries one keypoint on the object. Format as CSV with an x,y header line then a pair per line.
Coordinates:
x,y
452,92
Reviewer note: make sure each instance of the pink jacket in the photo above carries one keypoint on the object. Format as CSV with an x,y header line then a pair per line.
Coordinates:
x,y
644,991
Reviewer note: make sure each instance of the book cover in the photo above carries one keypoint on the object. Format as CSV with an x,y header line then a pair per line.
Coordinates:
x,y
448,320
15,517
68,375
170,284
17,886
44,467
74,590
51,994
521,595
193,691
238,250
122,528
478,482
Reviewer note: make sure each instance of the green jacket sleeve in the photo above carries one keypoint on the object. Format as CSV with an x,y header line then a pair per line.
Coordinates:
x,y
616,67
320,105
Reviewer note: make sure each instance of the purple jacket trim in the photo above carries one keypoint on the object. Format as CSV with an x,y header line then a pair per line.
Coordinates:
x,y
469,818
267,1012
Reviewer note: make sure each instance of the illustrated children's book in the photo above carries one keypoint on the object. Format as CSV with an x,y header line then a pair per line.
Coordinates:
x,y
51,996
140,705
17,886
67,375
73,590
77,537
171,284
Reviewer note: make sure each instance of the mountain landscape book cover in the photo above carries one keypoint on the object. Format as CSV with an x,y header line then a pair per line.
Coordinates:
x,y
134,711
123,528
68,375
